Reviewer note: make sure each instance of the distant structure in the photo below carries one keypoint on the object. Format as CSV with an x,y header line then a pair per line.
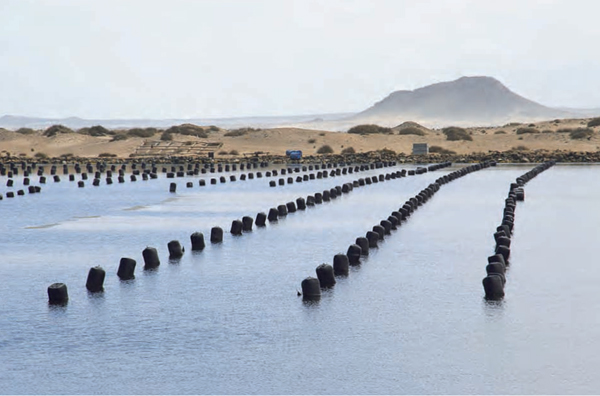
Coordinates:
x,y
420,149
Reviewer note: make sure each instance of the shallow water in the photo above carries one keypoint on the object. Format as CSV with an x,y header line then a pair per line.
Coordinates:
x,y
410,319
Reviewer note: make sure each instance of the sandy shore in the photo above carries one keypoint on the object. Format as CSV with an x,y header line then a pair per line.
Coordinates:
x,y
276,141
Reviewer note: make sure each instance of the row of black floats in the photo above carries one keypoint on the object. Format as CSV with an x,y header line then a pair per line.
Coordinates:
x,y
493,283
311,287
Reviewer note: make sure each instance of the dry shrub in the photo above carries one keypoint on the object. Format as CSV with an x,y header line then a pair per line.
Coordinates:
x,y
348,150
581,133
412,131
369,129
524,130
440,150
325,149
456,133
56,129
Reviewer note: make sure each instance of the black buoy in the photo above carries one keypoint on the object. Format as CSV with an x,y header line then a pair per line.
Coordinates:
x,y
373,238
173,187
236,227
216,235
493,287
150,256
325,275
175,250
364,245
126,268
354,252
311,289
261,219
247,222
57,293
273,214
379,230
197,239
282,210
95,279
340,264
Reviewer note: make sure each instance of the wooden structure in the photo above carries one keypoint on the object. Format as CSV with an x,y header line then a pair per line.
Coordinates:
x,y
420,149
159,148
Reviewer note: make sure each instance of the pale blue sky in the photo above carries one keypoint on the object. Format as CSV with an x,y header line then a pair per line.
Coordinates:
x,y
175,58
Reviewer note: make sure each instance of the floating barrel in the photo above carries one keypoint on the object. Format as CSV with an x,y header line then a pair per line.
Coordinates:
x,y
354,252
300,203
202,182
340,264
503,240
318,198
387,226
95,279
291,207
150,256
495,268
247,222
57,293
394,222
273,214
310,201
189,184
126,268
282,210
363,243
216,235
197,239
261,219
493,287
311,289
173,187
325,275
379,230
236,227
272,183
504,251
373,238
175,250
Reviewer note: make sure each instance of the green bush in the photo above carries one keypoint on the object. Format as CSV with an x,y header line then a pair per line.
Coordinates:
x,y
325,149
107,155
440,150
412,131
97,130
120,136
455,133
500,133
240,132
188,130
166,136
40,155
547,131
234,152
348,150
581,133
142,132
25,131
524,130
56,129
213,128
593,122
564,130
368,129
311,141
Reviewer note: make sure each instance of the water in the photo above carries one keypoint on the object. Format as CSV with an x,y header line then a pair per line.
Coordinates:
x,y
410,319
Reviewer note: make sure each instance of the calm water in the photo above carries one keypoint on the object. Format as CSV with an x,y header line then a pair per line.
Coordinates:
x,y
410,319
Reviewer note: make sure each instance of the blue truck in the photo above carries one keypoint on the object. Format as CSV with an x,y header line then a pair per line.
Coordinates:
x,y
293,154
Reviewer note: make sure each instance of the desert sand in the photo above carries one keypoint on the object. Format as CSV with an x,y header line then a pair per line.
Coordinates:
x,y
276,141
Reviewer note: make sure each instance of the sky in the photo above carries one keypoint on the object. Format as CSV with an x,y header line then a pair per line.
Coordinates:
x,y
224,58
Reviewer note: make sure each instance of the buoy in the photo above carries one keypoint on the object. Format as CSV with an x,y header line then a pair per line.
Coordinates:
x,y
197,239
325,275
126,268
340,264
57,293
493,287
216,235
150,256
261,218
95,279
311,289
236,227
354,252
364,245
373,238
273,214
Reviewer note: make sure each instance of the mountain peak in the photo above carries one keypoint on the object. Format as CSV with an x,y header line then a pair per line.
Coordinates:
x,y
469,100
